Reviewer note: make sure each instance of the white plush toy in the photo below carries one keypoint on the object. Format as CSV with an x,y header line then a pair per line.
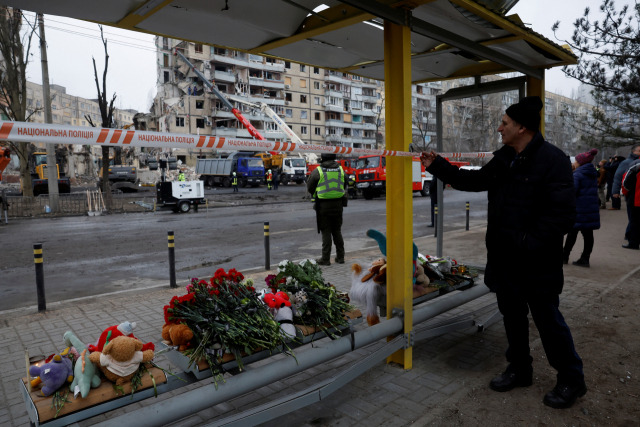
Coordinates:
x,y
365,292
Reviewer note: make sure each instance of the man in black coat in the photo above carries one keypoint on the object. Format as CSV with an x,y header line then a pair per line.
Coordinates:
x,y
531,207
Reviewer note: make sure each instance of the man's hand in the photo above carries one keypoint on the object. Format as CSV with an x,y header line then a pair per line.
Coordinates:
x,y
617,196
428,158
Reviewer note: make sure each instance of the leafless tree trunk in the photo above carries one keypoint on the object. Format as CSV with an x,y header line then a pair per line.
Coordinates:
x,y
106,113
13,82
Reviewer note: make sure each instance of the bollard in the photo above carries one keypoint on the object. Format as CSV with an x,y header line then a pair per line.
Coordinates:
x,y
435,220
38,260
172,260
467,227
267,255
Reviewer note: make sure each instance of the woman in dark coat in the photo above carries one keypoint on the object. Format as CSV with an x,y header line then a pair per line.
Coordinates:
x,y
585,179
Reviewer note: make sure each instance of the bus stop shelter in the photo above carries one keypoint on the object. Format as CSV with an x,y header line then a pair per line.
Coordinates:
x,y
399,42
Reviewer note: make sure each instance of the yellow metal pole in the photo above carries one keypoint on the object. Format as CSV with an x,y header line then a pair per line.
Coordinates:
x,y
397,75
535,87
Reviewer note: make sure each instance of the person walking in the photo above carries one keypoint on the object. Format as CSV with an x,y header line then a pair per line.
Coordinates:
x,y
234,182
617,184
602,183
631,185
585,181
327,185
531,206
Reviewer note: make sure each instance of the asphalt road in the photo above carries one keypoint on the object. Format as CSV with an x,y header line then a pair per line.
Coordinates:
x,y
86,256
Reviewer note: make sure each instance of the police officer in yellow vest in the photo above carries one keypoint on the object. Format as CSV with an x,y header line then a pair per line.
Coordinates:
x,y
327,185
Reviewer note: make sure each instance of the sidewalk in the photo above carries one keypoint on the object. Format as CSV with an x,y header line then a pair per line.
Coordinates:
x,y
443,367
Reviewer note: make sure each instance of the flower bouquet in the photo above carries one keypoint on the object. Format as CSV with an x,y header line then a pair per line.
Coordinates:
x,y
226,315
314,303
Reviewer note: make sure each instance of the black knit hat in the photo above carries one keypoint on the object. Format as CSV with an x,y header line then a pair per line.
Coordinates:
x,y
325,157
527,112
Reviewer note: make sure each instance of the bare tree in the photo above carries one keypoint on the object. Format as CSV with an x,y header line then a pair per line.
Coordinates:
x,y
13,82
607,50
106,114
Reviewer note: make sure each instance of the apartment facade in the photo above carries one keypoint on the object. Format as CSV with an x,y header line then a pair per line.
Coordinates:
x,y
320,106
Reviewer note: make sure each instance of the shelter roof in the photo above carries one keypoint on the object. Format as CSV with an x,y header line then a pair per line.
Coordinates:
x,y
449,39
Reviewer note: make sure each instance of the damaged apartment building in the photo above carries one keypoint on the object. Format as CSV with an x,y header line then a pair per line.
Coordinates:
x,y
320,106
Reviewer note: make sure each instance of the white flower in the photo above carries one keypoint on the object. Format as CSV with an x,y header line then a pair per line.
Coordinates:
x,y
248,282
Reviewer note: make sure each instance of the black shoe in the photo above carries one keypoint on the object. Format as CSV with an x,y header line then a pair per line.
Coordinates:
x,y
630,246
322,262
581,262
509,380
339,261
564,396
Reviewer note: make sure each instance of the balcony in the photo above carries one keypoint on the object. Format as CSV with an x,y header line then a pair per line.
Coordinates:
x,y
337,79
224,76
231,60
225,132
334,108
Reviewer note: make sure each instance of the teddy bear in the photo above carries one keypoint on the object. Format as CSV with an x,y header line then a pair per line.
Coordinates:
x,y
177,334
123,329
53,374
86,374
421,280
121,358
280,307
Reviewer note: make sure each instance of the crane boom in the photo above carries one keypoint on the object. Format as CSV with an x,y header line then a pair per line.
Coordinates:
x,y
246,123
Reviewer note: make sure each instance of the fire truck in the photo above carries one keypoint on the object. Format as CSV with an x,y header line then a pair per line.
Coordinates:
x,y
371,176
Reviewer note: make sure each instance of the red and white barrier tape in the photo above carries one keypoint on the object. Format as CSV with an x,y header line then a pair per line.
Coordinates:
x,y
59,134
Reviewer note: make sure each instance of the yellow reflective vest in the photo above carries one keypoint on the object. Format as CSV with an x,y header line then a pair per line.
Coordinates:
x,y
331,183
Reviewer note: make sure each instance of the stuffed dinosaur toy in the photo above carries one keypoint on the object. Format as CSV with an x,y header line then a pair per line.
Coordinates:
x,y
52,375
86,375
418,286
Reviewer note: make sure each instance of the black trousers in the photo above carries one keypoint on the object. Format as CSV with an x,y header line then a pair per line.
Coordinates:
x,y
554,333
571,240
331,229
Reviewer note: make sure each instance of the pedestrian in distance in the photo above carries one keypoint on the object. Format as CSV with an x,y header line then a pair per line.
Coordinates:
x,y
234,182
617,184
585,181
611,167
327,186
276,178
531,207
631,190
602,183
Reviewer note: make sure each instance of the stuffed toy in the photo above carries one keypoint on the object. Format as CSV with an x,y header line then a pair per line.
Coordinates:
x,y
123,329
421,281
121,358
280,307
86,374
177,334
52,375
377,272
365,291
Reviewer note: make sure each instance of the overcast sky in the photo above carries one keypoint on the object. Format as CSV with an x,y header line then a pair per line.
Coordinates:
x,y
132,61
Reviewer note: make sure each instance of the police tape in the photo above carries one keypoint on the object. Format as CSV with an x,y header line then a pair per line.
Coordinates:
x,y
60,134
